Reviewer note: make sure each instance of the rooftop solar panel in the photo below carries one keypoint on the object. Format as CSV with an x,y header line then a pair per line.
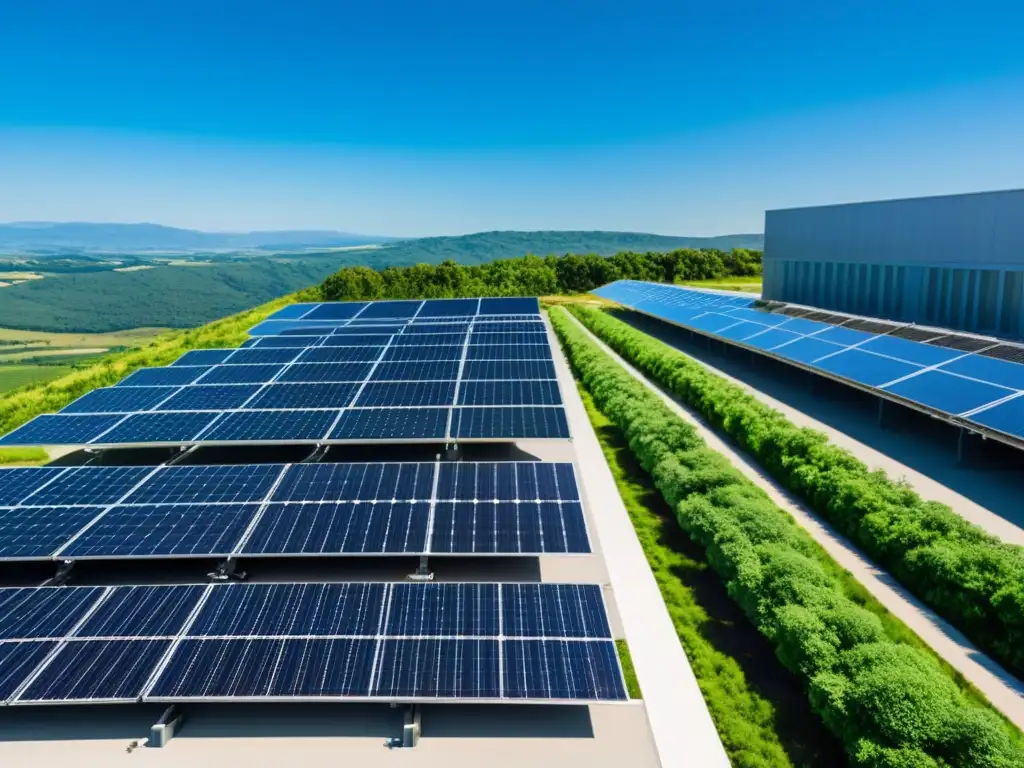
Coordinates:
x,y
164,377
270,356
39,613
163,427
561,669
240,374
509,393
380,395
510,421
36,533
298,396
103,485
439,668
17,483
507,528
328,312
142,611
17,660
208,397
391,424
324,372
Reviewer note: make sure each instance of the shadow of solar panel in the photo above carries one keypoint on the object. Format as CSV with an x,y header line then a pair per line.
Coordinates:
x,y
97,670
209,397
509,422
434,371
35,533
562,669
291,609
161,427
299,396
334,311
509,393
468,610
18,483
356,482
391,423
509,528
240,374
60,430
17,661
449,308
39,613
508,369
272,425
162,531
164,377
270,356
341,354
119,400
203,357
143,611
554,610
509,352
390,309
324,372
90,485
431,668
340,528
212,669
425,352
517,306
407,393
187,484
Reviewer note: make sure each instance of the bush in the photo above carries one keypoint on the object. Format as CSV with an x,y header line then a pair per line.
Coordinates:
x,y
891,704
971,578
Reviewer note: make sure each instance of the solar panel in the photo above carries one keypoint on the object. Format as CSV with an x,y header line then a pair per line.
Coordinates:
x,y
467,610
543,392
439,668
36,533
60,430
39,613
17,660
951,375
236,483
509,528
511,421
391,424
356,482
120,400
142,611
561,669
164,377
163,427
264,426
104,485
213,397
17,483
380,395
311,395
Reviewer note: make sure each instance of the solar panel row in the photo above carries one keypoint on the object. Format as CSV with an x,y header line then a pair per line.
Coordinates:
x,y
359,640
967,386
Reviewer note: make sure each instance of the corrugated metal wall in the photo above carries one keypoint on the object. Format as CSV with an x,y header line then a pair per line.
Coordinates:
x,y
956,262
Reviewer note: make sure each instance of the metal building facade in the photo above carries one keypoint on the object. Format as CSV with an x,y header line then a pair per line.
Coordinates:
x,y
954,261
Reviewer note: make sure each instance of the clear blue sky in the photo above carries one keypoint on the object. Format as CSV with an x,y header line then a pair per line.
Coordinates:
x,y
419,118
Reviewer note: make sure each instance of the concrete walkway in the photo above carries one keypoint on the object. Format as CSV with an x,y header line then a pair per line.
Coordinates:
x,y
1004,691
681,725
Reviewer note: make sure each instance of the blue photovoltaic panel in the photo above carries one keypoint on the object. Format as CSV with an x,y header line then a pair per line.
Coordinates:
x,y
806,350
164,377
365,339
332,311
38,532
947,393
507,528
241,374
213,397
17,483
17,660
256,426
237,483
524,306
425,352
509,393
866,368
911,351
203,357
521,422
390,309
291,609
508,369
428,328
162,427
507,338
553,610
524,326
164,531
381,327
433,668
562,669
293,327
90,485
119,400
212,669
319,395
294,342
97,670
143,611
407,393
767,339
800,325
509,352
844,336
506,481
391,424
449,308
39,613
433,371
272,356
356,482
989,369
295,311
443,609
1007,417
340,528
60,430
324,372
341,354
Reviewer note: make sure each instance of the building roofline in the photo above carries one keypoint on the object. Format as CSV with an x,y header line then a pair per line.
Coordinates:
x,y
896,200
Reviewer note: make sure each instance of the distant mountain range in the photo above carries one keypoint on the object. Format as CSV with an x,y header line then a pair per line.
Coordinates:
x,y
50,237
33,236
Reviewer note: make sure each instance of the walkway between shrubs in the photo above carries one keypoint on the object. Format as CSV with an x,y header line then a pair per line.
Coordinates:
x,y
1000,687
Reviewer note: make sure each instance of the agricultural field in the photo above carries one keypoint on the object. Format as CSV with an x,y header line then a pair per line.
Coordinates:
x,y
746,284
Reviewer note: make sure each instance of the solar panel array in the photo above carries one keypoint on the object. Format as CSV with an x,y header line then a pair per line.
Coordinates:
x,y
441,373
289,510
963,385
312,641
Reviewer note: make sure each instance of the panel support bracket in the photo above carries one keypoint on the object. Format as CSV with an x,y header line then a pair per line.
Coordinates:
x,y
422,572
225,571
166,727
411,729
62,576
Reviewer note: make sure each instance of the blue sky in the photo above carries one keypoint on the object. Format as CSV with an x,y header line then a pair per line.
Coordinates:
x,y
415,118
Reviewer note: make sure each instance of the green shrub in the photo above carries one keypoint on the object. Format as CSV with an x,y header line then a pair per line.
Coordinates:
x,y
891,704
970,578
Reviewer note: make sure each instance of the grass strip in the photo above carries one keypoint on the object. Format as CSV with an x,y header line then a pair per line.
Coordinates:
x,y
970,578
890,703
628,672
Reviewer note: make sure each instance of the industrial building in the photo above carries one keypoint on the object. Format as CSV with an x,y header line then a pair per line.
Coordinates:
x,y
955,261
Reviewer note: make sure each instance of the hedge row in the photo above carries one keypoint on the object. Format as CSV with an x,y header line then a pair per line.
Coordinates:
x,y
971,578
889,703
